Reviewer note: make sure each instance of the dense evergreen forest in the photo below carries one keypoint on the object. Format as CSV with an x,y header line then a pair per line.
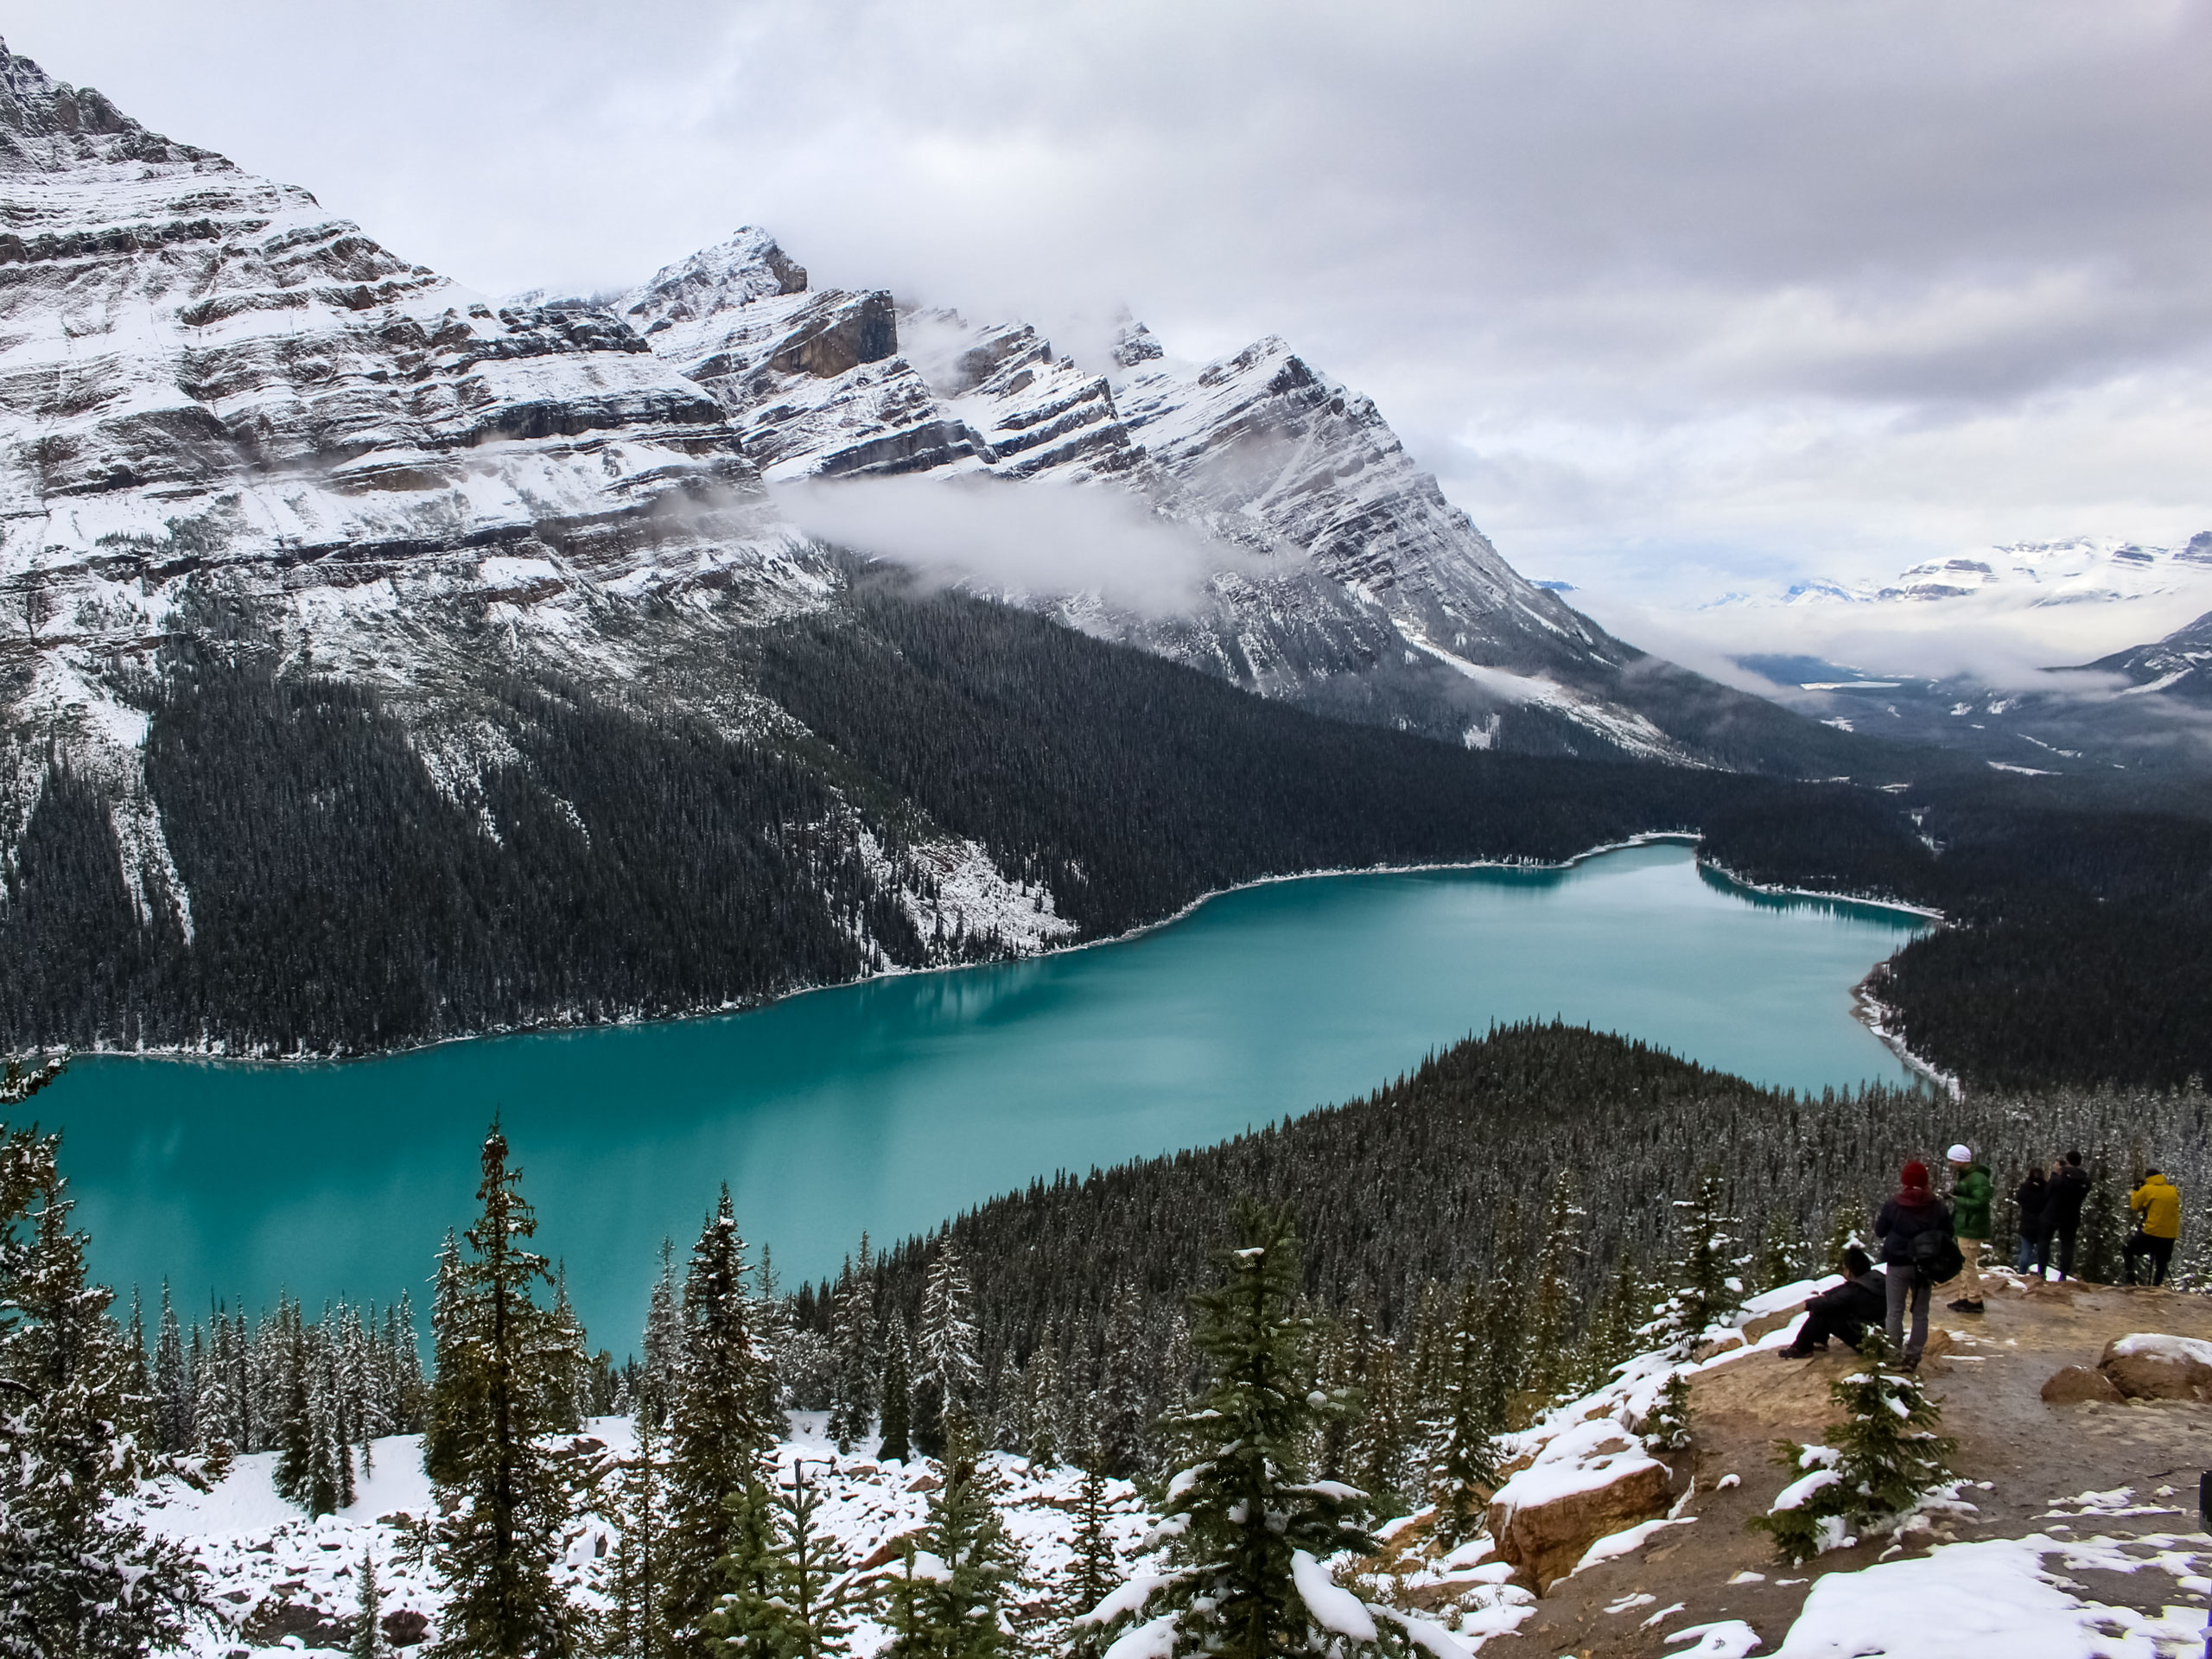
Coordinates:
x,y
2082,946
1461,1169
613,859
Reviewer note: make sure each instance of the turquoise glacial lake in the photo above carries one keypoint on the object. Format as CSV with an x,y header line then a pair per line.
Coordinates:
x,y
893,1104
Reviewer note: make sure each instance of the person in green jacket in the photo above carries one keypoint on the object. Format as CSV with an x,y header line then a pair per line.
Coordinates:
x,y
1971,1189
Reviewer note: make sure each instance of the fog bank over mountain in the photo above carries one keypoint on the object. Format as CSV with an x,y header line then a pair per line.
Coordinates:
x,y
1674,301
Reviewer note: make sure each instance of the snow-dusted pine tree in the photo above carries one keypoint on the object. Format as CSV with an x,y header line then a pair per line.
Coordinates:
x,y
1885,1457
1118,1414
1045,1402
967,1567
444,1418
720,1424
946,1373
368,1641
172,1383
632,1627
852,1408
75,1581
505,1501
1708,1271
1464,1472
897,1395
662,1345
1247,1576
791,1586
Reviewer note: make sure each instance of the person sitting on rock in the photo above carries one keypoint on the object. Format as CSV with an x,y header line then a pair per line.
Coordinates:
x,y
2030,1199
1971,1191
2160,1200
1912,1210
1844,1310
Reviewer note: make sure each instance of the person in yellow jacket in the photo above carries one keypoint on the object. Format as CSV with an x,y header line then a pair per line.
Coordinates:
x,y
2160,1201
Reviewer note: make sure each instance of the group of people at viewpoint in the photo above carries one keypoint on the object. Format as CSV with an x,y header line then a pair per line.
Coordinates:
x,y
1925,1241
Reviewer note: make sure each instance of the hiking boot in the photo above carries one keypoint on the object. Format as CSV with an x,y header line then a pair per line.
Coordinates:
x,y
1911,1363
1963,1305
1796,1353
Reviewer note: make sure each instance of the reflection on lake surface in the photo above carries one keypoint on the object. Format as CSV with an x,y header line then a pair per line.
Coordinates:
x,y
893,1104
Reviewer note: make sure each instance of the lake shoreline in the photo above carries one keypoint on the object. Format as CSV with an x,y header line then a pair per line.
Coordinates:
x,y
211,1055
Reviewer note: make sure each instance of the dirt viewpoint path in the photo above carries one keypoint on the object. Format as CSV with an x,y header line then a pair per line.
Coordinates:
x,y
1987,1372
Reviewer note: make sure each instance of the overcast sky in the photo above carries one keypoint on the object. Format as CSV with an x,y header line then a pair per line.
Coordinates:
x,y
1675,298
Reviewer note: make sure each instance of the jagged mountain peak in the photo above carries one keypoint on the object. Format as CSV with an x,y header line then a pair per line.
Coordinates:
x,y
46,124
746,267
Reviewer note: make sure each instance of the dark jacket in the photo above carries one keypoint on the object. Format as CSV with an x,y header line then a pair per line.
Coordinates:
x,y
2068,1188
2033,1194
1905,1217
1861,1300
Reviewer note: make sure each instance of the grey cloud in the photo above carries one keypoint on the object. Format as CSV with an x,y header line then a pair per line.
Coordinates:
x,y
1033,539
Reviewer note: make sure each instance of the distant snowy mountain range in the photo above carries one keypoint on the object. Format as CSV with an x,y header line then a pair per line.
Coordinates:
x,y
2084,570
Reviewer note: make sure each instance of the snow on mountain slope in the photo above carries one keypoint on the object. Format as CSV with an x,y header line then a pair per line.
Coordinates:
x,y
225,413
1342,576
2083,570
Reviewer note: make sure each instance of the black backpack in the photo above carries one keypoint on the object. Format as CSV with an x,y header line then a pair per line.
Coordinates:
x,y
1936,1256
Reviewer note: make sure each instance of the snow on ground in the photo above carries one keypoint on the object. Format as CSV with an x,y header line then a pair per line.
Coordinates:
x,y
280,1583
2005,1596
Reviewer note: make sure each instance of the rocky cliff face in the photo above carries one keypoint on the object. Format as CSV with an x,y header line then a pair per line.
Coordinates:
x,y
1343,579
231,421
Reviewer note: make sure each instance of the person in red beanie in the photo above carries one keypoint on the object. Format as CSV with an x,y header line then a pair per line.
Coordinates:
x,y
1913,1210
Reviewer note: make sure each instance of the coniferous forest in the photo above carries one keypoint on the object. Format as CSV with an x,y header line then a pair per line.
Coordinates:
x,y
1494,1231
623,861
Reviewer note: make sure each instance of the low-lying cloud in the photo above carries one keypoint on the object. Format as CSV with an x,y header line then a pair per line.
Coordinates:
x,y
1029,539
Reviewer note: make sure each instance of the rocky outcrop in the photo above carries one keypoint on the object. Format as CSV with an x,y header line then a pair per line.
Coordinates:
x,y
1588,1483
2149,1366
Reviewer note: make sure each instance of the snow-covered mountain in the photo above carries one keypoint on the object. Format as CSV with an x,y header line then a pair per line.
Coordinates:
x,y
1340,575
2083,570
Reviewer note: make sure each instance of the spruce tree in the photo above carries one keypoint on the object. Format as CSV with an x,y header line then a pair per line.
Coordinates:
x,y
1883,1459
663,1341
790,1584
898,1395
1376,1456
958,1611
447,1412
720,1426
745,1620
1464,1471
852,1412
633,1627
1041,1384
1252,1526
945,1370
172,1384
1708,1287
1611,1338
1552,1305
507,1505
368,1641
76,1582
1118,1414
1094,1569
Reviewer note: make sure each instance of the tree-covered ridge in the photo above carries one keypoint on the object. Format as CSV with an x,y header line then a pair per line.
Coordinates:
x,y
1448,1175
2080,949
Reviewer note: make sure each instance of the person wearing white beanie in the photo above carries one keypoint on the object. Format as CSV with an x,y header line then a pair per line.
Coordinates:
x,y
1971,1191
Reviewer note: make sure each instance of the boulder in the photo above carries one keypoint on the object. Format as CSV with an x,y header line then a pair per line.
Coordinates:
x,y
1547,1516
406,1628
2077,1384
2148,1366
